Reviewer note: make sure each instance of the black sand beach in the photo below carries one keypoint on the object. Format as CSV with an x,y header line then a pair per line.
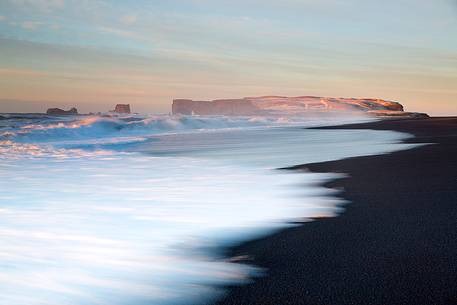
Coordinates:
x,y
396,242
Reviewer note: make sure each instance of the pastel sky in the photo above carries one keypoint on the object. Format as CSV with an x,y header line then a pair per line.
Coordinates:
x,y
94,54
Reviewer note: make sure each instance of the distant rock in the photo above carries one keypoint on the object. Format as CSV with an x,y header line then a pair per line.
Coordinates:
x,y
122,108
58,111
280,105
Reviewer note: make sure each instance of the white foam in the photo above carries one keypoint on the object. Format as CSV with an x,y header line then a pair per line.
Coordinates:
x,y
97,127
127,222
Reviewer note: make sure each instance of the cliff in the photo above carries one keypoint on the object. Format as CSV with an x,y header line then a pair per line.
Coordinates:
x,y
226,107
122,108
270,105
58,111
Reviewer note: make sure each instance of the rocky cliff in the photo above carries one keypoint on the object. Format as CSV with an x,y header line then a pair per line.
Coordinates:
x,y
225,107
58,111
266,105
122,108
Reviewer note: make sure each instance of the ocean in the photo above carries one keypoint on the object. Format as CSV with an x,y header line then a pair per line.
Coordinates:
x,y
137,209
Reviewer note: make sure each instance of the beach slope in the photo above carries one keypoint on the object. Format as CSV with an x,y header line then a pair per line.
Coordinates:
x,y
396,242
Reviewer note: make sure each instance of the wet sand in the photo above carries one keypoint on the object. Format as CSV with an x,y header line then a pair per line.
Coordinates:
x,y
395,243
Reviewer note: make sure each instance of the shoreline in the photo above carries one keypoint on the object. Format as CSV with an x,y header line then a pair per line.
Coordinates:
x,y
395,243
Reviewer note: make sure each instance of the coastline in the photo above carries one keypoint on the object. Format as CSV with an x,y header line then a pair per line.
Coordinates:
x,y
395,243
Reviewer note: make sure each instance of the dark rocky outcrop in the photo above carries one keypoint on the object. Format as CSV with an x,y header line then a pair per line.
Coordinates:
x,y
267,105
58,111
122,108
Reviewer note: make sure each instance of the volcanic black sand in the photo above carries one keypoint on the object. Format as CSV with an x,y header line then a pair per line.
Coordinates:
x,y
396,242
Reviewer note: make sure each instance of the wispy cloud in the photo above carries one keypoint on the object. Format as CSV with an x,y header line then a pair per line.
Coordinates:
x,y
42,5
22,72
122,33
128,19
31,25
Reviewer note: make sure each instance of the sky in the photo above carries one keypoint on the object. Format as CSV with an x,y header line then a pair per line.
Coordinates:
x,y
94,54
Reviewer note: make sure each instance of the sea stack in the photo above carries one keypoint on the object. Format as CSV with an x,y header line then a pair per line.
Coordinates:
x,y
122,108
58,111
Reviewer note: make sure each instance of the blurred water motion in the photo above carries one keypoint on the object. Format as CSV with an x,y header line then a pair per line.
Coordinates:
x,y
132,217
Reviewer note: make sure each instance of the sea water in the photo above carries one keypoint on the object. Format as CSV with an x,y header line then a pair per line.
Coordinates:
x,y
134,209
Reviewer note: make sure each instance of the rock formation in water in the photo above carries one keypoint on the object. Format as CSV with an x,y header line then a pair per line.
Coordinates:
x,y
58,111
122,108
270,105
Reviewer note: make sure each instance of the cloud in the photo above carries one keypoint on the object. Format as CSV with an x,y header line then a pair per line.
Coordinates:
x,y
122,33
22,72
2,18
31,25
42,5
128,19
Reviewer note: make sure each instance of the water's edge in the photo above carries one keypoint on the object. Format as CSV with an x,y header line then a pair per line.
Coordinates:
x,y
233,253
154,216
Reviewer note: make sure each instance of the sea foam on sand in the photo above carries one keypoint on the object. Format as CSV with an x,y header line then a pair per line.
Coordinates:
x,y
95,218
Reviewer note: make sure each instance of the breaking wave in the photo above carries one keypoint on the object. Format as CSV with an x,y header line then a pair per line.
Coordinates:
x,y
105,127
49,129
73,136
